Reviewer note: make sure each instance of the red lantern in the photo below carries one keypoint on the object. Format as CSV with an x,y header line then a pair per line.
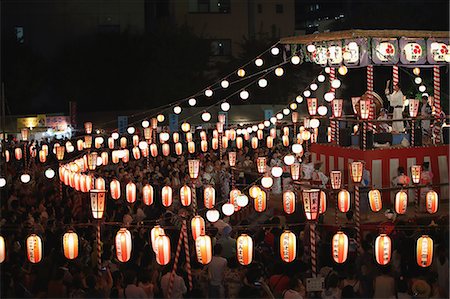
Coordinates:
x,y
154,234
34,248
2,250
340,247
176,137
401,202
383,246
244,249
70,245
136,153
239,142
260,201
123,245
376,204
233,199
224,142
209,197
197,227
204,145
166,196
178,148
312,106
269,142
153,150
288,246
165,149
344,201
114,188
424,251
432,201
323,202
110,143
18,153
203,248
147,194
311,203
336,178
123,142
289,202
42,156
162,250
131,192
99,183
185,195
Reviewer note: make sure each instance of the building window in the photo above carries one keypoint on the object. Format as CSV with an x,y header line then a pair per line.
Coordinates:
x,y
19,34
279,8
209,6
259,8
220,47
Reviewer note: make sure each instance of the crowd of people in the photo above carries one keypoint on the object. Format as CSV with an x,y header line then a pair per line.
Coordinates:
x,y
37,207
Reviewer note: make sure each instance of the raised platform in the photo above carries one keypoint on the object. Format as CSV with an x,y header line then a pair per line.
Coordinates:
x,y
383,163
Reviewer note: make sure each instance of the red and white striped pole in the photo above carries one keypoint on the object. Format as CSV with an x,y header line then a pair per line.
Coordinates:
x,y
437,102
395,74
186,251
312,239
357,216
175,263
333,123
370,90
99,247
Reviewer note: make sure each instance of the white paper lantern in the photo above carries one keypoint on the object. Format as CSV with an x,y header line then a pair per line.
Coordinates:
x,y
321,78
225,84
244,94
329,96
228,209
206,116
259,62
314,123
307,93
25,178
279,71
131,130
336,83
289,159
49,173
311,48
177,109
225,106
322,110
213,215
262,83
422,88
242,200
208,93
192,102
2,182
295,59
299,99
275,51
277,171
313,86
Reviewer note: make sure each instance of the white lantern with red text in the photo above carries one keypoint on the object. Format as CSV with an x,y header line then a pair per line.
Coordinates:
x,y
166,194
340,247
34,248
114,188
375,202
383,246
197,227
162,250
289,202
288,246
432,201
356,171
147,195
344,201
131,192
244,249
424,251
209,197
336,178
311,203
401,202
123,245
203,248
185,195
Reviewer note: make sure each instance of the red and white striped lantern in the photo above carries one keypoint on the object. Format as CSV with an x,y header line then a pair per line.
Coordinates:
x,y
197,227
432,201
203,248
162,250
424,251
289,202
209,197
155,232
375,202
166,195
2,249
401,202
131,192
340,247
260,202
288,246
185,195
147,194
34,248
114,188
383,247
123,245
244,249
344,201
70,245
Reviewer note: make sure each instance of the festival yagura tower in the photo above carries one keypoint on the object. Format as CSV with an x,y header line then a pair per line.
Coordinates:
x,y
401,49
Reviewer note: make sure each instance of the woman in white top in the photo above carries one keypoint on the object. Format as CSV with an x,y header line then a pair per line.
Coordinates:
x,y
396,100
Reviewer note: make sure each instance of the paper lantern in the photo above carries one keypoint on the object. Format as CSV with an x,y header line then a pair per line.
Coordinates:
x,y
340,247
80,145
356,171
2,249
209,197
232,158
178,148
18,153
254,191
276,171
194,167
123,245
203,248
312,106
234,193
154,150
97,203
261,164
415,173
147,194
337,107
343,201
242,200
228,209
99,184
323,203
413,107
288,246
115,157
166,195
401,202
110,143
336,178
375,202
114,187
91,159
24,132
254,143
191,147
239,142
131,192
364,108
289,202
185,127
197,227
244,249
88,127
285,140
424,251
267,182
269,142
383,246
260,201
70,245
311,203
136,153
185,195
34,248
155,232
87,142
432,201
295,171
212,215
162,250
42,156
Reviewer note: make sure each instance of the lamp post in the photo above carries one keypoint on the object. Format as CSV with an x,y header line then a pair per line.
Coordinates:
x,y
416,171
356,174
337,113
98,201
364,111
336,181
413,109
194,168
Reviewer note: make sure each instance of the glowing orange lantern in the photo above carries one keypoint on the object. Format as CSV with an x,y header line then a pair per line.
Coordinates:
x,y
356,171
97,203
273,133
289,202
18,153
154,234
162,250
204,145
214,143
88,127
91,159
269,141
295,117
34,248
376,204
194,168
336,178
209,197
311,203
234,193
80,145
340,247
123,245
24,133
323,202
413,107
224,142
70,245
115,157
344,201
239,142
87,142
261,164
166,149
432,201
383,246
42,156
191,147
178,148
136,153
153,150
203,248
312,106
166,196
424,251
260,201
104,156
401,202
244,249
99,184
131,192
197,227
2,250
110,143
88,181
288,246
147,133
254,142
295,171
285,140
415,173
185,195
114,187
232,158
123,142
259,134
147,194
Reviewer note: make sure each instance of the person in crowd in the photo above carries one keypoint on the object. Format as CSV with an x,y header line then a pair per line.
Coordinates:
x,y
216,272
296,290
383,127
131,290
401,179
425,113
384,284
396,101
179,286
227,243
332,290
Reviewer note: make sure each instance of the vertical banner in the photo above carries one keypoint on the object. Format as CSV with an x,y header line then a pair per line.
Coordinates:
x,y
173,122
73,113
122,123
